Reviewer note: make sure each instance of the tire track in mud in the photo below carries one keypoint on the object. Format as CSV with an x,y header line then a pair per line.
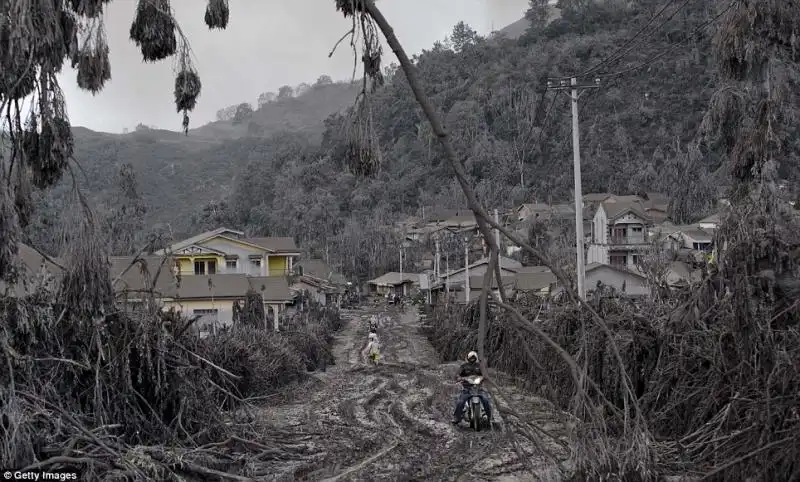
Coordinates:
x,y
389,421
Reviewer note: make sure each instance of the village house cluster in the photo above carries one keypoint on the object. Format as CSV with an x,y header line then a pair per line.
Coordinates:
x,y
209,274
619,232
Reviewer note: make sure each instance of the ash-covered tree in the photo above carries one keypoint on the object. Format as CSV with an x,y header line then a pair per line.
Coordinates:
x,y
34,45
285,92
214,214
251,311
244,111
463,36
123,222
266,98
323,80
756,47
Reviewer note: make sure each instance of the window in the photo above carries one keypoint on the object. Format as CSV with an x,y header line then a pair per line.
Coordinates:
x,y
637,229
255,262
205,267
230,265
617,260
636,259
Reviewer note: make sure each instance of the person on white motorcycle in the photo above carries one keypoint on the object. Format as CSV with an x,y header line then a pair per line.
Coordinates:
x,y
469,369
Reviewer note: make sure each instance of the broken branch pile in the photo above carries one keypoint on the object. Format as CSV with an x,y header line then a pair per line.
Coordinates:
x,y
310,334
133,394
717,378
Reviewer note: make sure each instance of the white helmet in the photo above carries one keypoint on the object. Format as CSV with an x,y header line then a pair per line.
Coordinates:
x,y
472,355
373,337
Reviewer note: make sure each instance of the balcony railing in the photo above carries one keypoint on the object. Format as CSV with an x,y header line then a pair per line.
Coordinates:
x,y
626,240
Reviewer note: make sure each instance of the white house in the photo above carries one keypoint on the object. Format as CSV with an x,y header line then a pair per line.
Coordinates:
x,y
618,234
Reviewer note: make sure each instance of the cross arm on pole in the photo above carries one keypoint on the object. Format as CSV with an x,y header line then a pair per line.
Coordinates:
x,y
572,84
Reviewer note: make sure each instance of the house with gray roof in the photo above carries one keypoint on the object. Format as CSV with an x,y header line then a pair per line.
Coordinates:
x,y
619,233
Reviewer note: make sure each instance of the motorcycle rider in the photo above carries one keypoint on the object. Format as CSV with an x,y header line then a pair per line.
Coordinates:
x,y
373,324
372,350
469,369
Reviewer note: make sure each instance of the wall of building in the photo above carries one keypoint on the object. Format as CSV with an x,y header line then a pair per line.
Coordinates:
x,y
187,307
242,251
278,265
634,285
600,223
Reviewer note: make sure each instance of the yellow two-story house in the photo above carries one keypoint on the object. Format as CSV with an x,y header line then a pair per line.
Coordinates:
x,y
227,251
207,274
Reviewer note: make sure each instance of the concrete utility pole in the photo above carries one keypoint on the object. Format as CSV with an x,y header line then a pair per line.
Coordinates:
x,y
575,91
447,273
466,269
436,271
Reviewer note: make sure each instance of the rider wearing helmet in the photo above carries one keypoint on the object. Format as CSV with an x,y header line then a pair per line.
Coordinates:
x,y
371,351
373,324
469,369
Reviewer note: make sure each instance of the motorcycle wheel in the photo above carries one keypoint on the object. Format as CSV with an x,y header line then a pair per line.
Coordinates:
x,y
475,416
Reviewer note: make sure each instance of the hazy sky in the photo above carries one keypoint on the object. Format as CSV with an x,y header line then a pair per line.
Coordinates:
x,y
268,43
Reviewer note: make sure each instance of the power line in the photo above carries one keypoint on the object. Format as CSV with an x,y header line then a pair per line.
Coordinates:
x,y
673,47
627,47
616,54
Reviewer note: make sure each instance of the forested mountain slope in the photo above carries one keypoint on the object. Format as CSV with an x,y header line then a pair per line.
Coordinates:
x,y
514,137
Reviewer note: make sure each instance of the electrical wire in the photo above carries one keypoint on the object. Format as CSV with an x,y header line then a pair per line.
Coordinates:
x,y
616,54
629,49
626,48
672,48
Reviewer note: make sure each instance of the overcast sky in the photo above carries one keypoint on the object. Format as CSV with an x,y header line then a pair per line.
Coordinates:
x,y
268,43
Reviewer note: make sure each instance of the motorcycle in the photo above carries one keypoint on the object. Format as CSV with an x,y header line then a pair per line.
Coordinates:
x,y
474,413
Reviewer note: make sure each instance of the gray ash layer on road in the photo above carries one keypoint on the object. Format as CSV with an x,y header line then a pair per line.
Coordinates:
x,y
387,422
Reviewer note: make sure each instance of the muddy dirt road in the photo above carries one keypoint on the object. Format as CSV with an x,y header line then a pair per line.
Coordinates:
x,y
392,421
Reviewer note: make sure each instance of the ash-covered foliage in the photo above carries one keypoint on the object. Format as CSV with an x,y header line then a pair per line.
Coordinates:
x,y
705,363
217,13
121,392
36,38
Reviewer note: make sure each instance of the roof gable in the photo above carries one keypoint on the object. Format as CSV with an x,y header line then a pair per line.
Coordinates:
x,y
617,209
199,238
197,249
239,243
602,267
